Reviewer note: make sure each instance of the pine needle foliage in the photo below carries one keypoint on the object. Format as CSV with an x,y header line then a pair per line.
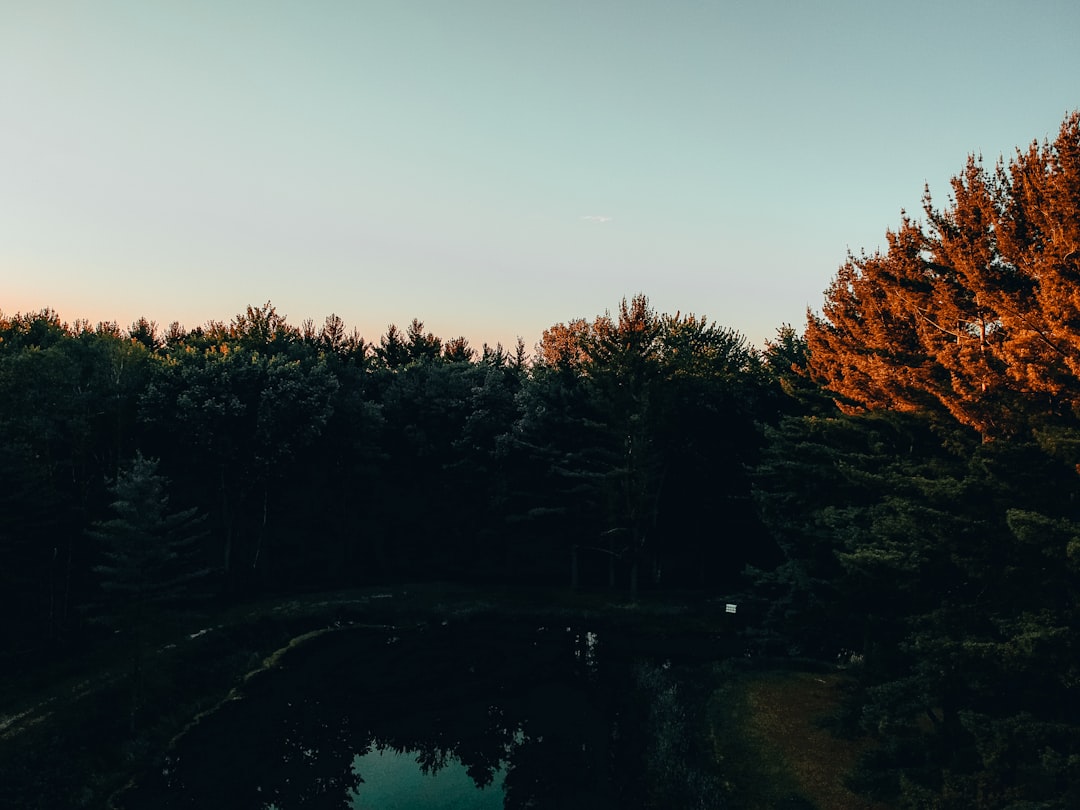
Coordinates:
x,y
148,549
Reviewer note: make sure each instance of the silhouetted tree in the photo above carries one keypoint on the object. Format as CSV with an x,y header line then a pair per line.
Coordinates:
x,y
149,551
149,557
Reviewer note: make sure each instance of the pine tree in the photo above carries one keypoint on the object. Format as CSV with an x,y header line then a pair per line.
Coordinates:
x,y
148,550
974,312
149,559
646,422
392,351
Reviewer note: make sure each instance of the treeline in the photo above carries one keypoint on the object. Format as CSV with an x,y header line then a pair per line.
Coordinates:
x,y
269,457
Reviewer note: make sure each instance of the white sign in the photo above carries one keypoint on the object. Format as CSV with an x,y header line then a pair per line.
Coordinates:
x,y
731,608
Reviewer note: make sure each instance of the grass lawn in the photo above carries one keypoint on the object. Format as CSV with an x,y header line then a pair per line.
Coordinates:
x,y
767,727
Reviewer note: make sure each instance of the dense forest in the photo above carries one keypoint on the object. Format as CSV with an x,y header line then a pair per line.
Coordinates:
x,y
895,488
267,457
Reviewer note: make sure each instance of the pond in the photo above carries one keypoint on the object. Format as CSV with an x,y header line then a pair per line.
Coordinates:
x,y
464,714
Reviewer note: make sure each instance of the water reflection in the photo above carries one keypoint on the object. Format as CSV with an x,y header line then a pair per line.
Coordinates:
x,y
493,714
402,781
585,647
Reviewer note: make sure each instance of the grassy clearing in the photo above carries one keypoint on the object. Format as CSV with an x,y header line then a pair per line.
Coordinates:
x,y
767,732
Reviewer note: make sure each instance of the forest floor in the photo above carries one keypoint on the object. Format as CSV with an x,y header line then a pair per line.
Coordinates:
x,y
59,719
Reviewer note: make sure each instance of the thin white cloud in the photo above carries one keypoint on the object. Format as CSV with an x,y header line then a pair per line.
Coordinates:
x,y
596,218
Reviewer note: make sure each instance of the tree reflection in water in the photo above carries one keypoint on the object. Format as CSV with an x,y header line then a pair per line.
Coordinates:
x,y
546,711
397,781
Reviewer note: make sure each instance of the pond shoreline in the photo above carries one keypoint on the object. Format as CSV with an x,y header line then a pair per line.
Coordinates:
x,y
66,743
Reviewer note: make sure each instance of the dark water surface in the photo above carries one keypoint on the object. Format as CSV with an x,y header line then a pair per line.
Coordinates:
x,y
467,714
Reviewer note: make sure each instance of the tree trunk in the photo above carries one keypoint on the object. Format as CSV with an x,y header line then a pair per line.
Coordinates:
x,y
52,594
262,528
228,524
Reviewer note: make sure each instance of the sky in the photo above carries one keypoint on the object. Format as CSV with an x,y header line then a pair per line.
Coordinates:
x,y
493,167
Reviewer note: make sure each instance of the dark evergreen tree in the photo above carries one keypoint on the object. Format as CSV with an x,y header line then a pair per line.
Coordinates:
x,y
261,329
32,539
237,418
421,345
457,350
392,350
146,332
939,564
150,557
150,553
662,425
553,505
429,513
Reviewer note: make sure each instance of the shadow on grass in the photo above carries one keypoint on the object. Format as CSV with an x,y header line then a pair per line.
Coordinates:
x,y
773,731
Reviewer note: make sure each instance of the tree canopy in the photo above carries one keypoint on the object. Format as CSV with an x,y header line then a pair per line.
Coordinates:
x,y
974,311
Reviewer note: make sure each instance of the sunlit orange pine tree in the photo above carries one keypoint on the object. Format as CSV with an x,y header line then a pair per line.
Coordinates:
x,y
977,310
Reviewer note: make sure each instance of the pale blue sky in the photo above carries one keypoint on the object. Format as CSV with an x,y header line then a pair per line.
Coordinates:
x,y
492,167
